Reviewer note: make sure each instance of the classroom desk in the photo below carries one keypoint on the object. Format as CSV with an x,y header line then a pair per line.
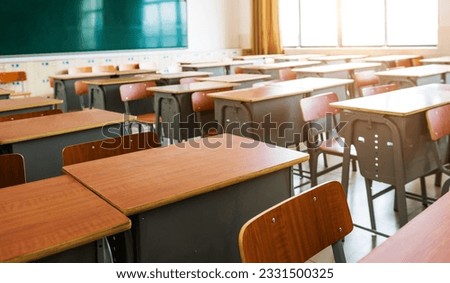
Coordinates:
x,y
415,76
388,61
173,108
245,80
64,85
273,69
425,239
344,71
4,93
197,61
217,68
27,104
55,220
320,85
270,114
394,124
105,93
337,58
258,59
295,57
437,60
188,201
41,139
174,78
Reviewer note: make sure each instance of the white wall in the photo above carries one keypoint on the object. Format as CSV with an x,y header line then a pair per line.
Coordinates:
x,y
212,33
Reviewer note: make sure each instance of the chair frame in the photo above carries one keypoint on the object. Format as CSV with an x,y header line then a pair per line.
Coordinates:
x,y
299,227
312,113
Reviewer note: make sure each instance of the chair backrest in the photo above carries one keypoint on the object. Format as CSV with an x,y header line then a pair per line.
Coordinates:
x,y
371,90
417,61
318,106
365,79
438,122
188,80
135,91
109,147
201,102
238,70
126,67
299,227
287,74
10,77
403,63
104,69
81,88
20,116
78,70
12,170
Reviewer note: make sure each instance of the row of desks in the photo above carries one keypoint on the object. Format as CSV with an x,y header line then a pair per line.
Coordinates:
x,y
168,219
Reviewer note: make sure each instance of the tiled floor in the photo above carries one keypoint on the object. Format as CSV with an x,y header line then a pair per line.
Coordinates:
x,y
361,242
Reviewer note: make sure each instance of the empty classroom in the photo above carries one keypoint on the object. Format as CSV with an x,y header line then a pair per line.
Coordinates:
x,y
225,131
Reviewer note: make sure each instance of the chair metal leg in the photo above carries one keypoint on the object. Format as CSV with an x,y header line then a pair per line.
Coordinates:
x,y
338,252
368,183
423,189
445,187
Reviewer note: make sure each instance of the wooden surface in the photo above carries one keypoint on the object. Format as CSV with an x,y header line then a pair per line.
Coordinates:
x,y
161,176
122,80
4,91
186,74
295,57
79,76
337,67
437,60
235,78
192,87
314,83
426,238
215,64
331,58
40,127
277,66
27,102
416,72
256,57
259,93
401,102
45,217
390,58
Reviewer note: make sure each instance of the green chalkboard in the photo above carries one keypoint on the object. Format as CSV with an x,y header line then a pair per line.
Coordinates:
x,y
60,26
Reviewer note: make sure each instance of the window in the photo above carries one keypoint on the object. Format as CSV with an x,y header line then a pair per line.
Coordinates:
x,y
345,23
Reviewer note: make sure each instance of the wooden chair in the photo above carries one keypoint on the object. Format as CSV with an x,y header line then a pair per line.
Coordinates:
x,y
238,70
82,90
127,67
417,61
188,80
404,63
320,119
138,101
15,77
109,147
203,107
12,170
104,69
78,70
20,116
439,128
299,227
365,79
378,89
287,74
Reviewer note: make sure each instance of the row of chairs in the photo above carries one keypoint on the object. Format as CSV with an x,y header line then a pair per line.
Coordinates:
x,y
15,77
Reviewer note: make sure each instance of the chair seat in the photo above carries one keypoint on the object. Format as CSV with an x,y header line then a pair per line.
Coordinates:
x,y
147,118
332,146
